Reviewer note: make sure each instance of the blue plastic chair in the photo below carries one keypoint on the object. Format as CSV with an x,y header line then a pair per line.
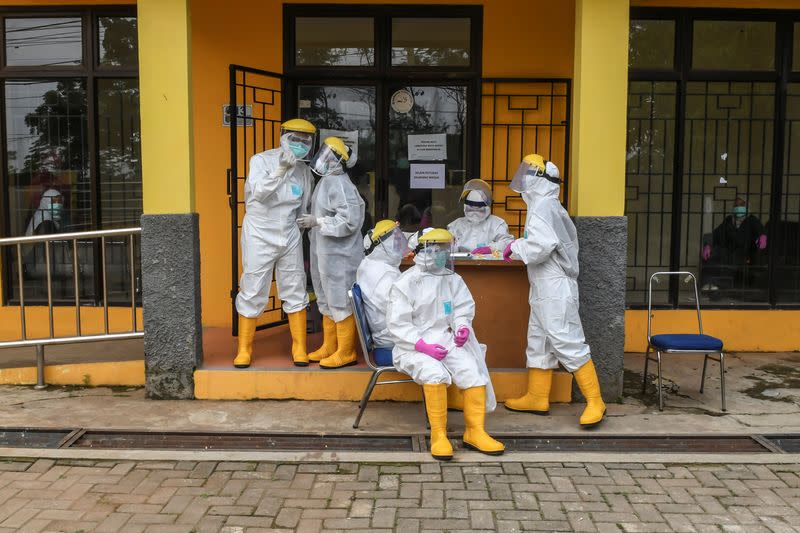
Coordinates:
x,y
682,342
376,357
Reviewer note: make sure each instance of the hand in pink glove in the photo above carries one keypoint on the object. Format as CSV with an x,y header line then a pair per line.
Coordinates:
x,y
706,252
507,253
482,250
462,336
437,351
761,242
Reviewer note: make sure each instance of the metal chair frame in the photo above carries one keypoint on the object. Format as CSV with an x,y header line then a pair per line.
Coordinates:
x,y
721,355
365,338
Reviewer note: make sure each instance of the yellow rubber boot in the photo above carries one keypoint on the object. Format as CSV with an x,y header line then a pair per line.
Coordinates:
x,y
345,355
328,340
537,399
586,377
436,405
455,399
475,436
297,327
247,330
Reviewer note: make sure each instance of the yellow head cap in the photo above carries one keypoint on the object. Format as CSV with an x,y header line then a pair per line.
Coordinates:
x,y
299,124
534,160
338,146
382,228
436,235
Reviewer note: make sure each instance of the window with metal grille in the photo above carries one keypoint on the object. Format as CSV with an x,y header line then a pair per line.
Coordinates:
x,y
70,143
712,179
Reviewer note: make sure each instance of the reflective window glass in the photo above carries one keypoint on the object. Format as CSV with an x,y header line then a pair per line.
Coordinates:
x,y
649,185
727,180
733,45
335,41
46,42
431,42
651,44
118,42
796,48
785,235
119,152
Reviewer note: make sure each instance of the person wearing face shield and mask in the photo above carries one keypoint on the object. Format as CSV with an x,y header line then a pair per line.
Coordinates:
x,y
735,244
335,220
479,231
277,192
549,248
47,217
385,246
429,315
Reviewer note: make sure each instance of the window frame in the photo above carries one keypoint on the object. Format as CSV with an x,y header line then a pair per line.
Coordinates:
x,y
682,73
90,70
383,75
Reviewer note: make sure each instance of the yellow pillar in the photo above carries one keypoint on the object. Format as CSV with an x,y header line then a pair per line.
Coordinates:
x,y
600,97
165,100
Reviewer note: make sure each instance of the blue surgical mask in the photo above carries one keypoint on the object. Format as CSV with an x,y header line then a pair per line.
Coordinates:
x,y
440,259
300,150
739,211
56,210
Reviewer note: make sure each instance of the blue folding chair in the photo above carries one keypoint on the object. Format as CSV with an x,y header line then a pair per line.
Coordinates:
x,y
682,342
379,359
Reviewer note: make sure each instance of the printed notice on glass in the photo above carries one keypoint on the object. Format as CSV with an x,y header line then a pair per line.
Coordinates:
x,y
430,147
427,176
350,138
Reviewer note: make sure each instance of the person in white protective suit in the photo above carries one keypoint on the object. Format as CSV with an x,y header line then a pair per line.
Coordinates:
x,y
47,217
385,245
555,335
277,192
429,315
337,214
479,231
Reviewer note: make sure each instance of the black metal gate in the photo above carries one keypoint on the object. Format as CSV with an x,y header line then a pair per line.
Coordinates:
x,y
256,108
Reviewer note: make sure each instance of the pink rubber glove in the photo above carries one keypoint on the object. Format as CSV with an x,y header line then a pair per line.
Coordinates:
x,y
706,252
462,336
482,250
761,241
507,253
437,351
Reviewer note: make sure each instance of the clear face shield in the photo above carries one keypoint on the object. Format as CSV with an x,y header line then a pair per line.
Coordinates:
x,y
523,175
299,143
436,258
477,203
326,161
394,245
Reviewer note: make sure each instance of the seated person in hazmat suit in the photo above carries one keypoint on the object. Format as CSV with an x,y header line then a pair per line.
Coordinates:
x,y
429,315
277,191
385,245
479,231
336,249
555,334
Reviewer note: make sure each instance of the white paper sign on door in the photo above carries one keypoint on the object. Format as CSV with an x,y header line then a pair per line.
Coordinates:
x,y
427,176
350,138
429,147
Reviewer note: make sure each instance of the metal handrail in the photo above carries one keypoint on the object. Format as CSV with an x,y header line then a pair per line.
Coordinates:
x,y
40,343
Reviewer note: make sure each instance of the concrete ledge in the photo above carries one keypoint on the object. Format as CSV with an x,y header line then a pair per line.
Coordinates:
x,y
401,457
112,373
348,385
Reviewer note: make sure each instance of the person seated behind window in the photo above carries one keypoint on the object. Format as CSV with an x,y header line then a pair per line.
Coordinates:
x,y
734,245
385,247
46,219
409,219
479,231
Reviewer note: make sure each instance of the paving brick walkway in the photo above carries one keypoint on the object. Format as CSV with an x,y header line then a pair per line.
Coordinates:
x,y
82,495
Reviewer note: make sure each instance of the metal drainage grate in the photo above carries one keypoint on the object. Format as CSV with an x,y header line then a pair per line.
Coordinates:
x,y
34,438
243,441
786,443
633,444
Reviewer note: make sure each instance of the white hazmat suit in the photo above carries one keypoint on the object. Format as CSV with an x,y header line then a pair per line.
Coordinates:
x,y
336,242
429,306
549,248
375,275
490,230
270,236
